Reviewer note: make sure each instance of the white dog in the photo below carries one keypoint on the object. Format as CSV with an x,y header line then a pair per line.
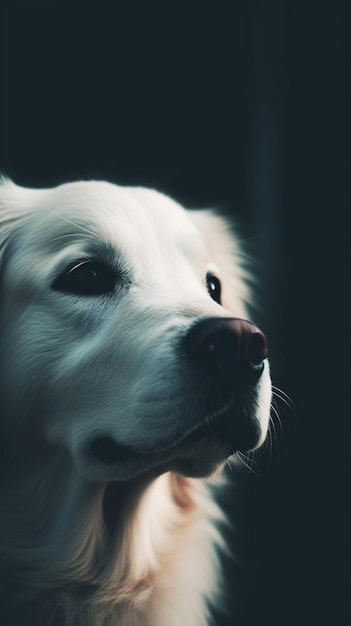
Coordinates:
x,y
128,374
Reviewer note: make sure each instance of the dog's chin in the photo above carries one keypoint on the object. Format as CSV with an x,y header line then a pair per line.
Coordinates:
x,y
204,459
203,451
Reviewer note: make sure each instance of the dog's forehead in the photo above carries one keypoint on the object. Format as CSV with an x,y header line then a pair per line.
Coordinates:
x,y
124,216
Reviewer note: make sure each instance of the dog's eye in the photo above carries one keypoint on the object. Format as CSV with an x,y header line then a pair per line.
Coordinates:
x,y
87,278
214,287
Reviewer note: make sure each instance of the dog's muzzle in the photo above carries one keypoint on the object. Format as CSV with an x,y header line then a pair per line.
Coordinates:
x,y
226,357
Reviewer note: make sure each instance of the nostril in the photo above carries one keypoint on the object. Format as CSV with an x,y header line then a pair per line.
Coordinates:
x,y
257,349
231,348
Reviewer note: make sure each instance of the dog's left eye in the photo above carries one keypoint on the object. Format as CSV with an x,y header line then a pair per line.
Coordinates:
x,y
87,278
214,287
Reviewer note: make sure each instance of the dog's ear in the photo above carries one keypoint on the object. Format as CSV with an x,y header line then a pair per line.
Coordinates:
x,y
225,252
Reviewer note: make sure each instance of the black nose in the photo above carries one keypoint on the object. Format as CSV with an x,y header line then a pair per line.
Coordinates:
x,y
228,347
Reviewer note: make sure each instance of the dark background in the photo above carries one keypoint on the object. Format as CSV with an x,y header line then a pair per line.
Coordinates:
x,y
244,108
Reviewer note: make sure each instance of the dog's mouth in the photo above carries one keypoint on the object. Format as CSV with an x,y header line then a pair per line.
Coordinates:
x,y
197,452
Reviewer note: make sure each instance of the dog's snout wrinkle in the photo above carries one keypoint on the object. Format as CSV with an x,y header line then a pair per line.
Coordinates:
x,y
228,346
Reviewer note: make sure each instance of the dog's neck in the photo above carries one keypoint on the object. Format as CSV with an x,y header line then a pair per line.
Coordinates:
x,y
156,570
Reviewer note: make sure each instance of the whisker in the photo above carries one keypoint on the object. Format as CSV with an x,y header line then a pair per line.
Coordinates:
x,y
282,393
246,461
250,459
275,411
86,230
272,430
279,393
229,465
268,443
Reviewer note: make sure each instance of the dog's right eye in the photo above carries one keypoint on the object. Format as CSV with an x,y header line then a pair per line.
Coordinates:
x,y
87,278
214,287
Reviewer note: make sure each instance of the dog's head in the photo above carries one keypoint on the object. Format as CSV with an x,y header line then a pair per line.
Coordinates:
x,y
124,345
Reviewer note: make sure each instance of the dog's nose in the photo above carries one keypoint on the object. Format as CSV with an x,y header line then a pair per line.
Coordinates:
x,y
228,347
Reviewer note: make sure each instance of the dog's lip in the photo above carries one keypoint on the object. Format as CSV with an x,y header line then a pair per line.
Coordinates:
x,y
217,431
106,449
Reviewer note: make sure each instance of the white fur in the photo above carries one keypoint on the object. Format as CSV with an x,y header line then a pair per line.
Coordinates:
x,y
73,368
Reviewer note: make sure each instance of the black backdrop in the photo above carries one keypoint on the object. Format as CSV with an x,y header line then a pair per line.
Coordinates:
x,y
242,107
